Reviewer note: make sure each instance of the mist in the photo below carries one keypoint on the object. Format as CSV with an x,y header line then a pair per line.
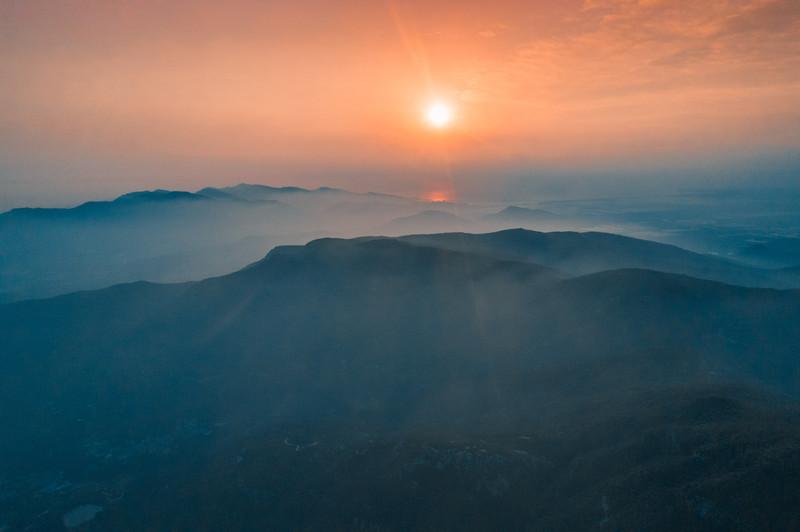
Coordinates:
x,y
400,266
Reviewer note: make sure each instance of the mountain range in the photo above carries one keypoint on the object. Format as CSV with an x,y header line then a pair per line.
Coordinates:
x,y
173,236
445,382
578,253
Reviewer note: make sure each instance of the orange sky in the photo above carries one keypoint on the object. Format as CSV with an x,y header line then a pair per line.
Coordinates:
x,y
112,91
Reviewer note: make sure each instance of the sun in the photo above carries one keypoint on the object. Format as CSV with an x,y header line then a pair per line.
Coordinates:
x,y
438,114
437,196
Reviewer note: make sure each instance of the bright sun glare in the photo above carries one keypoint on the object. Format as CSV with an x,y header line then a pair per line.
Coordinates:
x,y
438,114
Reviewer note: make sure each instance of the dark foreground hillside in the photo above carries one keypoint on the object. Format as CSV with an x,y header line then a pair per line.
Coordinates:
x,y
380,385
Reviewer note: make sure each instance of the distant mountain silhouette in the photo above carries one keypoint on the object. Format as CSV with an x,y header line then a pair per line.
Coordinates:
x,y
166,235
382,383
157,235
157,195
251,192
122,205
170,236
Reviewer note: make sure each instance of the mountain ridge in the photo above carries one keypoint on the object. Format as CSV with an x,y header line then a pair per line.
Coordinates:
x,y
578,253
456,373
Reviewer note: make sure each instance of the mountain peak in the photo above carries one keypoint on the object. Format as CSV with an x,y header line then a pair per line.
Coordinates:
x,y
515,213
158,195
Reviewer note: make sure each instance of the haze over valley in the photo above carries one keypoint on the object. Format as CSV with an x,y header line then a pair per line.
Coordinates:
x,y
172,236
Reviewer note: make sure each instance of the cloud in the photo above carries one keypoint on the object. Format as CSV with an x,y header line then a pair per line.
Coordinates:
x,y
775,16
635,46
683,57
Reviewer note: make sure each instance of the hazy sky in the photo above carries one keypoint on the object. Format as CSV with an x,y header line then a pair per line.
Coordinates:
x,y
103,96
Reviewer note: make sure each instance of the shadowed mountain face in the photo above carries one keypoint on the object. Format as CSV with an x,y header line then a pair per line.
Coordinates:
x,y
390,384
